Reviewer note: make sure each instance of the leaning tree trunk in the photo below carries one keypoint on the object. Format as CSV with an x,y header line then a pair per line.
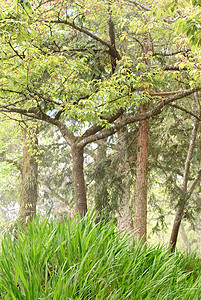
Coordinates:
x,y
140,219
28,197
185,238
182,202
79,181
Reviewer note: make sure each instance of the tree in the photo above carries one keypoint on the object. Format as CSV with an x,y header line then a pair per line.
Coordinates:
x,y
49,81
175,159
187,191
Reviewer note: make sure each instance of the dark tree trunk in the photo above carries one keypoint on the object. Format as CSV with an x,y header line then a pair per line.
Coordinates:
x,y
140,220
29,194
79,181
176,226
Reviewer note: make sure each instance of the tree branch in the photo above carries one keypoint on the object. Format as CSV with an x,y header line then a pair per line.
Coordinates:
x,y
190,153
95,128
197,178
11,161
164,93
186,111
113,52
171,53
21,56
174,68
36,113
135,118
137,3
146,8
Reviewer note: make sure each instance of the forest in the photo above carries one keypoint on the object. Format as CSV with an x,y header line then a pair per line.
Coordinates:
x,y
100,162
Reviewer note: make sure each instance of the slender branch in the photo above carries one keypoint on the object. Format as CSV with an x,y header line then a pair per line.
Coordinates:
x,y
12,118
12,91
195,181
174,68
163,93
190,154
21,56
186,111
46,99
137,3
171,53
14,103
179,121
146,8
113,52
37,113
138,41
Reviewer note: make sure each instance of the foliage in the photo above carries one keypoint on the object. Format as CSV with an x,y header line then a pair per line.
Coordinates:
x,y
79,260
190,23
56,62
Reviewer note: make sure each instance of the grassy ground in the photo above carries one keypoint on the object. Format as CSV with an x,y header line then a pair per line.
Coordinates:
x,y
78,260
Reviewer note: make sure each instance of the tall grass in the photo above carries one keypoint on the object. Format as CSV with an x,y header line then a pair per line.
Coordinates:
x,y
80,260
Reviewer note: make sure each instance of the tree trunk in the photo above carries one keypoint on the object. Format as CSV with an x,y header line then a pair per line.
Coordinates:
x,y
124,216
185,238
176,226
28,198
101,192
140,220
182,203
79,181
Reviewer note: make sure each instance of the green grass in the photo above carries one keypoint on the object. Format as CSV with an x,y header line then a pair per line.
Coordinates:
x,y
78,260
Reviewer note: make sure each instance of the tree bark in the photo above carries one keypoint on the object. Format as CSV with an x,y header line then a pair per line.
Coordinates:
x,y
29,193
124,216
140,219
79,180
185,238
101,192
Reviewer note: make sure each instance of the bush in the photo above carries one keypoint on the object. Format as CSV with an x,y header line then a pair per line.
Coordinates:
x,y
81,260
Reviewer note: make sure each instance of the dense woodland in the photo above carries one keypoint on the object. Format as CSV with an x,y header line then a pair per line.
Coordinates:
x,y
100,110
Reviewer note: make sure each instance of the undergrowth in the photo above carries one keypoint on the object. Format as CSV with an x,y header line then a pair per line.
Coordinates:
x,y
81,260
